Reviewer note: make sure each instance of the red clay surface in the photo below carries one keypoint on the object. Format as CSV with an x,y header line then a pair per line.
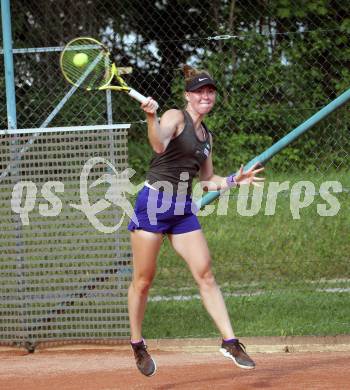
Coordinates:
x,y
114,370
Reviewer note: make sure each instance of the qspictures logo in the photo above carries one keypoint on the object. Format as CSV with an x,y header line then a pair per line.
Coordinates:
x,y
250,200
24,196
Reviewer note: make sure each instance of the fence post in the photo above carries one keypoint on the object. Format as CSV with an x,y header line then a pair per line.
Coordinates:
x,y
8,61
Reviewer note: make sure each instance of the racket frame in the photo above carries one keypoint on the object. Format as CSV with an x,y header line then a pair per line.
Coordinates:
x,y
115,72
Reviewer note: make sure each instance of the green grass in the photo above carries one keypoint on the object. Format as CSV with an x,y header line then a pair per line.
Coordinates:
x,y
270,249
279,313
287,260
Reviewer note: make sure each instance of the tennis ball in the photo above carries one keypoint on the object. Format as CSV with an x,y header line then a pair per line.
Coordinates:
x,y
80,59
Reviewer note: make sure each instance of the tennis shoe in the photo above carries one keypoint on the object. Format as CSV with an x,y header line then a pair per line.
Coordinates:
x,y
235,350
144,362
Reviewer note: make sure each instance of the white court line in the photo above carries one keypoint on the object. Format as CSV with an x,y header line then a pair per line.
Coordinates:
x,y
334,290
183,298
159,298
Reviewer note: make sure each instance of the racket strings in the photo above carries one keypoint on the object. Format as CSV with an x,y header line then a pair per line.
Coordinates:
x,y
95,69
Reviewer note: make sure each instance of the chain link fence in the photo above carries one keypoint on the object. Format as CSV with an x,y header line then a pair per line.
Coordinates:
x,y
276,63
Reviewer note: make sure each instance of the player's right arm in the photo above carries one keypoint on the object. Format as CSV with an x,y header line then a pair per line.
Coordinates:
x,y
161,132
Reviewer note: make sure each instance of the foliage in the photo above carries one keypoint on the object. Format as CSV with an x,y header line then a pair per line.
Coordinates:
x,y
140,154
282,61
233,150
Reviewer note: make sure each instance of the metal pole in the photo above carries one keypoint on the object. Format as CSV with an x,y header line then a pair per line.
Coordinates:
x,y
8,61
15,160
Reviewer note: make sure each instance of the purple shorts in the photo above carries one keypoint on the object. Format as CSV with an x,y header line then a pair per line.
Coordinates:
x,y
161,212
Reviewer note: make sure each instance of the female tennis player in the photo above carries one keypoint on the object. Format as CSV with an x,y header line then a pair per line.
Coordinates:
x,y
182,148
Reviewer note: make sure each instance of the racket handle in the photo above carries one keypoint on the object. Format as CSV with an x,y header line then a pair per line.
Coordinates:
x,y
136,95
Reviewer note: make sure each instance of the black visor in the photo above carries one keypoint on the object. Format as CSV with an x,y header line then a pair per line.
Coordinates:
x,y
199,81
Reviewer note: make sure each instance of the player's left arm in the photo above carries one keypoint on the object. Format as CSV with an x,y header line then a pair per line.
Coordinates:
x,y
207,177
212,182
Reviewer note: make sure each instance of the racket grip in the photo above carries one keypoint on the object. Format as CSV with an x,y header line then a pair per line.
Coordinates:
x,y
136,95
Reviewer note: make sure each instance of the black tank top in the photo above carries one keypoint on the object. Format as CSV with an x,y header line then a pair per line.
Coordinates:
x,y
181,161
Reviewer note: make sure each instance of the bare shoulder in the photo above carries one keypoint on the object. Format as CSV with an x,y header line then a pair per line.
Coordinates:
x,y
174,115
172,122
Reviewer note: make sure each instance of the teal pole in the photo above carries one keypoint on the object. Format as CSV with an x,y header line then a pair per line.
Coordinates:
x,y
12,124
285,141
8,61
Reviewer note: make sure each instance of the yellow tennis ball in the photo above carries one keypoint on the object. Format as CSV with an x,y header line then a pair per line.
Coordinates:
x,y
80,59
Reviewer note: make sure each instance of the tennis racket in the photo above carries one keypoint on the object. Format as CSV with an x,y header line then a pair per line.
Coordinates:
x,y
86,63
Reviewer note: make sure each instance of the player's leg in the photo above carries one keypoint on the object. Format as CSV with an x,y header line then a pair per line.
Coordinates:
x,y
145,248
193,248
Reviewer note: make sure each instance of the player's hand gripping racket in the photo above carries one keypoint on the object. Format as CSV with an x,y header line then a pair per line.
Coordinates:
x,y
86,63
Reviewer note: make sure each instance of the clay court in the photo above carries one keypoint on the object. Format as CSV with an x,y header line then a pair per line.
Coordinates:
x,y
181,365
